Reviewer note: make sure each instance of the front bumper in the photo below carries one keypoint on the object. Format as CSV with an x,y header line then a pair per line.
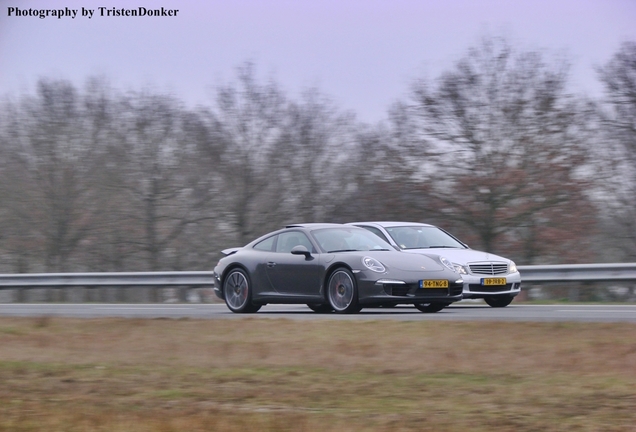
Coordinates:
x,y
388,291
474,289
217,285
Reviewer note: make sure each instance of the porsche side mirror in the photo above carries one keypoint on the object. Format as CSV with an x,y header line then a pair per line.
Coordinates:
x,y
301,250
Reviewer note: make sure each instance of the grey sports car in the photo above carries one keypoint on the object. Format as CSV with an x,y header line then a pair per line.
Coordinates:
x,y
332,267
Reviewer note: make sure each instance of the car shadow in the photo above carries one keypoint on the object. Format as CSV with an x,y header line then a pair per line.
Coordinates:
x,y
398,310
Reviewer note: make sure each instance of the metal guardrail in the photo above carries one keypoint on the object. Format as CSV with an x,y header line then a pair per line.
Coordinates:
x,y
529,274
123,279
578,272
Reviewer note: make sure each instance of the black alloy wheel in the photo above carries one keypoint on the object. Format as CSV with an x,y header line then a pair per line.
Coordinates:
x,y
238,293
342,291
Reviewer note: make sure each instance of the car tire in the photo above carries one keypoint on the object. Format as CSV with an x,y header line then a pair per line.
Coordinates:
x,y
342,291
498,301
430,307
237,291
320,308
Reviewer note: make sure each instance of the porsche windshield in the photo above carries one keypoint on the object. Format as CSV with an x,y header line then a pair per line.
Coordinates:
x,y
349,239
423,237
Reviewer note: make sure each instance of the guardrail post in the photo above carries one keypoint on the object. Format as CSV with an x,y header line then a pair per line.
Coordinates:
x,y
91,293
573,293
77,294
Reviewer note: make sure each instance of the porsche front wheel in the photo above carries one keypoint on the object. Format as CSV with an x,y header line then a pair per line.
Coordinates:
x,y
342,292
238,293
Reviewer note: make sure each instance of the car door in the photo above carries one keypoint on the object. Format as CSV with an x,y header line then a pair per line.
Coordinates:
x,y
295,275
262,253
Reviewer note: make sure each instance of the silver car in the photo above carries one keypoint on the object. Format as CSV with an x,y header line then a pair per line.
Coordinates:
x,y
487,276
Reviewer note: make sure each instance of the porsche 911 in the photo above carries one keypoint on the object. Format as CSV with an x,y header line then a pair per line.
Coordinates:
x,y
332,268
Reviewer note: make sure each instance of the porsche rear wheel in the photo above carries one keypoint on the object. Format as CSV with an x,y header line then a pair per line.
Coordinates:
x,y
342,292
430,307
238,293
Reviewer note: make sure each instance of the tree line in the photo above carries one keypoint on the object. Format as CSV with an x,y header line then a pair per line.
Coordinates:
x,y
496,150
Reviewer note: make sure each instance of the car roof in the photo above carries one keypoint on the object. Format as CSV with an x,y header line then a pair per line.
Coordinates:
x,y
303,226
314,225
389,224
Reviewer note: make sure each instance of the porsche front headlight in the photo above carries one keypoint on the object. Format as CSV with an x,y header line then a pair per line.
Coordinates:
x,y
373,264
449,265
458,268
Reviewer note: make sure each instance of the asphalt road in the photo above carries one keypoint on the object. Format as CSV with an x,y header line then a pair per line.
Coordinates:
x,y
457,312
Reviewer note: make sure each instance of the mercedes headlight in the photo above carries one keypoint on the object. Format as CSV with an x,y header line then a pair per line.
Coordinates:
x,y
460,269
373,264
513,267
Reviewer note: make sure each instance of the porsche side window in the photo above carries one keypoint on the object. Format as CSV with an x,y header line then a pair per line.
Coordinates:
x,y
266,245
287,241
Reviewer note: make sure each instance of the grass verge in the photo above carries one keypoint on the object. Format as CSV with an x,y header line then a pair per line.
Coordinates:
x,y
281,375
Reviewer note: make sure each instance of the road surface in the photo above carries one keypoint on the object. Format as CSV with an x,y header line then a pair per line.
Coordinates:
x,y
456,312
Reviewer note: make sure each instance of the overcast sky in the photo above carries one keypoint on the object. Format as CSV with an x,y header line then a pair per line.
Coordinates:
x,y
361,53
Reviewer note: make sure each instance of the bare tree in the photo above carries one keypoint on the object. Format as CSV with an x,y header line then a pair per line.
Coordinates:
x,y
502,147
619,120
314,158
248,119
52,155
155,188
382,176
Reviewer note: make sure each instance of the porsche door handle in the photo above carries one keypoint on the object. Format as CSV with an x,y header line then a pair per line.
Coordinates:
x,y
271,264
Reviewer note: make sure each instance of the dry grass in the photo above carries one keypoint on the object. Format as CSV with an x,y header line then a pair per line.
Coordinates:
x,y
282,375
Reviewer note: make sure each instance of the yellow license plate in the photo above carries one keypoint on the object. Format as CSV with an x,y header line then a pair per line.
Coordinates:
x,y
442,283
493,281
